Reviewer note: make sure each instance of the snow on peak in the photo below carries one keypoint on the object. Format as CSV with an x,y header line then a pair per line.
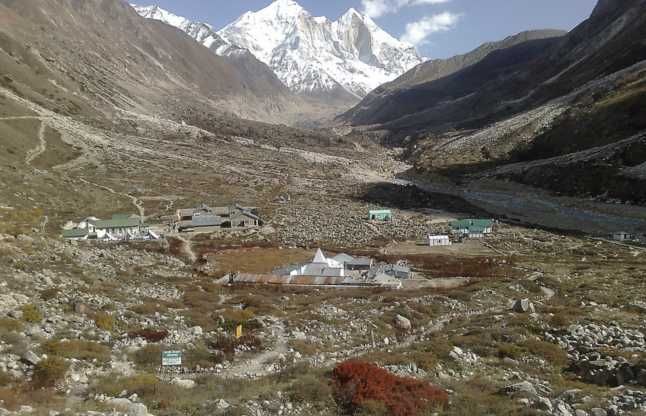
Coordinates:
x,y
309,54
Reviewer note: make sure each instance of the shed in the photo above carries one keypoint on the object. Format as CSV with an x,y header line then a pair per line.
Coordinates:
x,y
400,272
380,215
439,240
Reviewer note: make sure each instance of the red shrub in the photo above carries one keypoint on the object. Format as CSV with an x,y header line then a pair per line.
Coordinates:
x,y
149,335
358,382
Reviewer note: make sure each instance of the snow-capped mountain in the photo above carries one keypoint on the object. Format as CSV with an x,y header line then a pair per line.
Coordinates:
x,y
201,32
311,55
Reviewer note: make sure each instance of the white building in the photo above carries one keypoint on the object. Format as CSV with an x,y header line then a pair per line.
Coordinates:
x,y
320,266
439,240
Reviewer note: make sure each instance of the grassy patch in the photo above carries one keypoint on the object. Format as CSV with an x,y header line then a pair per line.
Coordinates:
x,y
78,349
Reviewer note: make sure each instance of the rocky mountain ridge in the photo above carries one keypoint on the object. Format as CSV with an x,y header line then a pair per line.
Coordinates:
x,y
343,59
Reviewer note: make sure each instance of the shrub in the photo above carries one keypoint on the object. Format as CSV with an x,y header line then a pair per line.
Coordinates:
x,y
49,294
509,351
104,321
49,371
81,350
357,383
5,379
10,325
310,389
552,353
202,357
31,314
149,335
142,384
148,356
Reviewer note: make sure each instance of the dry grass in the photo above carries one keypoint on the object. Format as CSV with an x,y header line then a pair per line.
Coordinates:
x,y
78,349
259,260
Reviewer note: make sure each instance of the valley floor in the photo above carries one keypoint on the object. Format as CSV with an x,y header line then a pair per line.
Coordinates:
x,y
82,326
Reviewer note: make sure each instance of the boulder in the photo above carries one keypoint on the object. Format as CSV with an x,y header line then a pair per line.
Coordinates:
x,y
598,412
524,387
128,407
183,383
523,306
30,358
403,323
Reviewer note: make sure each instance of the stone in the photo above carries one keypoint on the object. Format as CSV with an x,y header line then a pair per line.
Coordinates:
x,y
580,412
130,408
403,323
183,383
30,358
523,387
523,306
82,308
543,403
598,412
222,404
197,331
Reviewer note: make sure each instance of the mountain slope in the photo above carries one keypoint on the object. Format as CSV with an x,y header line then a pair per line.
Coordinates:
x,y
518,78
313,55
99,55
439,68
565,114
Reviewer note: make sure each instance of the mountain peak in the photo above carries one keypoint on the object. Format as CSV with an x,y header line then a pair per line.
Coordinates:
x,y
284,8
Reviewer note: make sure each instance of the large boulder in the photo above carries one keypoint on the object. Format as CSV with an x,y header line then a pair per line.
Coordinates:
x,y
403,323
128,407
523,388
523,306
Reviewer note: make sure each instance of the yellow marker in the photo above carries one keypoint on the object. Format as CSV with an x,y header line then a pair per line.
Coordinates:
x,y
239,331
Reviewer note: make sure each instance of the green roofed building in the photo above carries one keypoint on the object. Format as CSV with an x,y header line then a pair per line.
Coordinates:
x,y
380,215
120,227
473,228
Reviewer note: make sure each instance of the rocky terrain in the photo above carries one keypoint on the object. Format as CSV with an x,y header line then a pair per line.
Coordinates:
x,y
528,321
528,105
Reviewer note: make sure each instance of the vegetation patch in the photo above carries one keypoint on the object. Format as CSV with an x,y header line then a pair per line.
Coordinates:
x,y
78,349
358,384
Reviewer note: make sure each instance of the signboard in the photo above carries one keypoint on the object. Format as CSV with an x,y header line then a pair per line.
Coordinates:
x,y
239,331
171,358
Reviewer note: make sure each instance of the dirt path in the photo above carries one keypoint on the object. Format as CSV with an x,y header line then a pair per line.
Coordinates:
x,y
258,365
42,145
187,249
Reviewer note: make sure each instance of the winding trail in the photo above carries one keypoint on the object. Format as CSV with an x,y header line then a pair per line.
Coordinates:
x,y
42,145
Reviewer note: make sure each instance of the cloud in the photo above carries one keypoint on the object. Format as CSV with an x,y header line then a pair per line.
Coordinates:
x,y
378,8
417,32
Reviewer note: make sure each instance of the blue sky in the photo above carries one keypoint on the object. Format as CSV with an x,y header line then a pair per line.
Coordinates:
x,y
439,28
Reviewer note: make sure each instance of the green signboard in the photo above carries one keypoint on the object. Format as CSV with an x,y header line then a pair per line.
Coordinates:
x,y
171,358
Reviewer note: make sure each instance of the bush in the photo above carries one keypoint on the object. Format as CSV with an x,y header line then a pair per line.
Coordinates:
x,y
81,350
104,321
10,325
148,356
5,379
49,294
141,384
149,335
310,389
552,353
31,314
49,371
357,383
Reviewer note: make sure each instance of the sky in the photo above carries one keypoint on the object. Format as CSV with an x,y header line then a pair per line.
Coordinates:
x,y
438,28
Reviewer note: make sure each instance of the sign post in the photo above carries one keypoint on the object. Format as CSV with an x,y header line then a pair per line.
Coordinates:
x,y
171,358
239,331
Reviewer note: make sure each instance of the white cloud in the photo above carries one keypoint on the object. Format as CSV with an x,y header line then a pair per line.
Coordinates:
x,y
378,8
417,32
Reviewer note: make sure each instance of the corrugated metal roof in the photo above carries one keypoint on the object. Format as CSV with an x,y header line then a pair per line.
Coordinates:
x,y
116,223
